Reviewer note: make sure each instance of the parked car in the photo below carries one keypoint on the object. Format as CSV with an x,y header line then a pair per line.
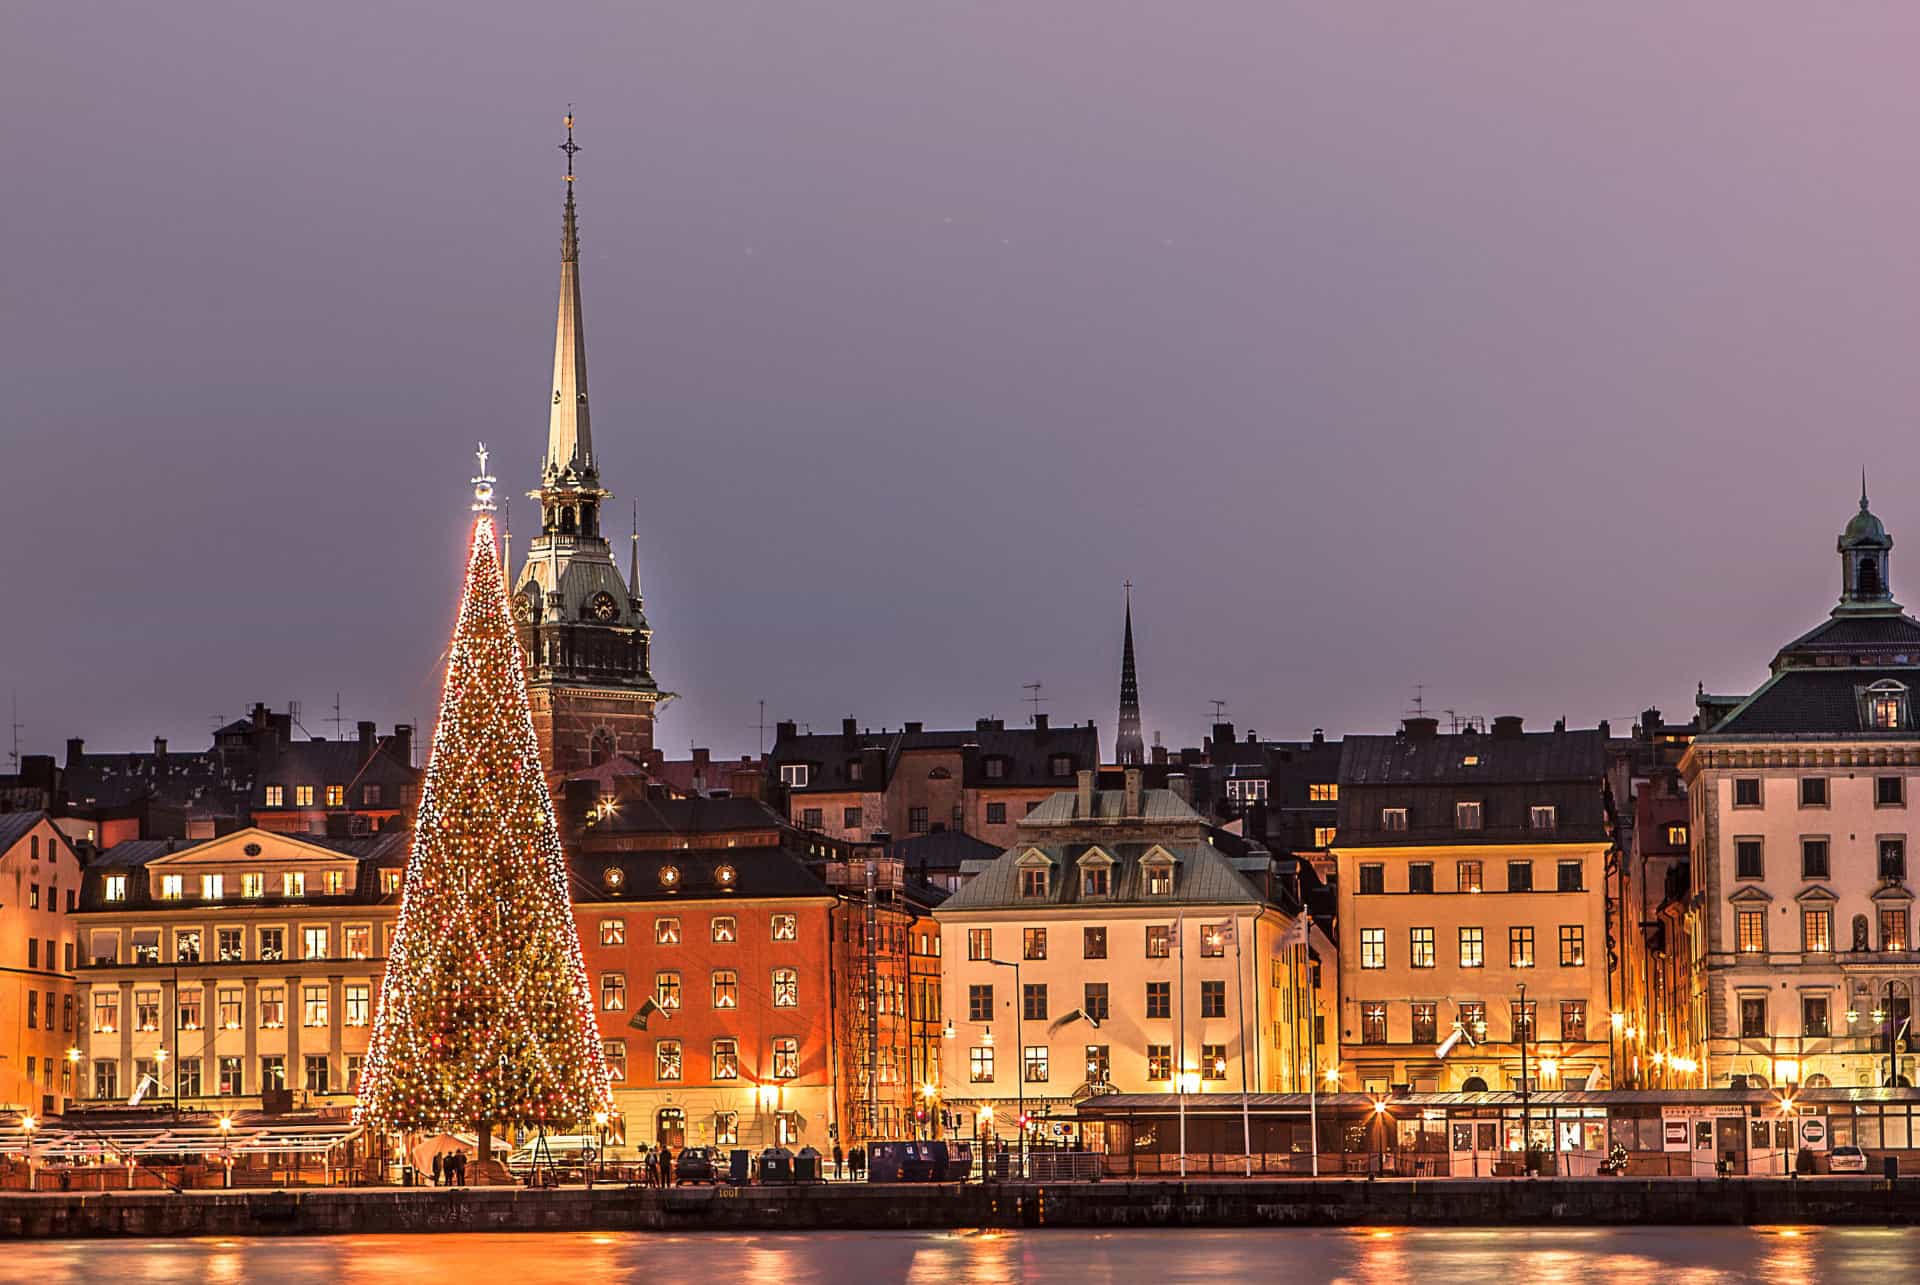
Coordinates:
x,y
697,1164
1846,1160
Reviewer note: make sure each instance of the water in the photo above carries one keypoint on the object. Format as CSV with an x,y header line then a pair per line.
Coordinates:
x,y
1382,1256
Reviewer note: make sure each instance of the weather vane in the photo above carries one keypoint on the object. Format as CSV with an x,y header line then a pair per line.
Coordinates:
x,y
483,484
569,147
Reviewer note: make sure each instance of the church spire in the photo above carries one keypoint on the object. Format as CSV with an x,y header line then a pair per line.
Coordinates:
x,y
1865,549
570,460
1129,748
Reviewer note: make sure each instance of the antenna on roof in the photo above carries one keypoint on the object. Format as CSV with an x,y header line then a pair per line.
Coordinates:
x,y
1033,698
1219,709
762,726
1419,709
15,725
336,716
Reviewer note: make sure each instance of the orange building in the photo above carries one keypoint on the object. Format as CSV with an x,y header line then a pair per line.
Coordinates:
x,y
39,893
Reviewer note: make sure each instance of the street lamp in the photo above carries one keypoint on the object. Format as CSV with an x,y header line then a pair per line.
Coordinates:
x,y
600,1155
226,1146
27,1125
1524,1019
1380,1128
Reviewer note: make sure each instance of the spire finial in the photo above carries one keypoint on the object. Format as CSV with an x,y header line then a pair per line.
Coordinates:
x,y
633,558
482,482
569,147
1863,489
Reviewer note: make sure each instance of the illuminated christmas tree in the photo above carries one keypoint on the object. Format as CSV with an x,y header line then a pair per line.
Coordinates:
x,y
485,1016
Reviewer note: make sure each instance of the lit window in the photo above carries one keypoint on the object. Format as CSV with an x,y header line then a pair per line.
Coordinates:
x,y
666,1060
786,928
726,1059
1573,945
1159,878
313,942
723,928
1421,948
1323,792
358,1002
171,887
1473,947
356,941
303,796
1373,948
276,796
1323,836
786,1058
336,795
1893,930
1753,931
1373,1023
615,1053
314,1006
1034,1061
726,988
293,883
1159,1061
1816,929
115,888
980,1064
213,887
1033,943
613,932
1520,947
793,775
786,988
253,885
979,943
666,931
613,992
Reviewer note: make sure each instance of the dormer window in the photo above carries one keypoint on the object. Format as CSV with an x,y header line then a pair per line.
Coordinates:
x,y
994,769
1061,765
1157,868
1469,816
1393,818
793,775
1886,706
855,769
1033,881
1096,874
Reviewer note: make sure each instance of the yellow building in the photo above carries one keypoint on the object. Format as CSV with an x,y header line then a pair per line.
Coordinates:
x,y
1472,920
224,971
39,893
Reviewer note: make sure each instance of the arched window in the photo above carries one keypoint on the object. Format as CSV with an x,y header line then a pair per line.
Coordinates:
x,y
1473,1084
1866,577
940,774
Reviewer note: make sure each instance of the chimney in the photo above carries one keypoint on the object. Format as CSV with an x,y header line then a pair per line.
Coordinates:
x,y
914,728
1253,737
1222,734
365,729
1319,736
785,730
1420,729
1135,793
401,745
1039,722
702,757
1560,724
76,747
260,714
1508,727
1159,755
1084,803
159,747
1606,729
849,733
1182,788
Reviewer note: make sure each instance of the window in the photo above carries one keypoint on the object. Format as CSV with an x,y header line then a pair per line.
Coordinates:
x,y
1886,706
851,819
786,1058
1573,945
1473,947
1159,878
1469,816
1520,947
33,1011
723,928
146,1010
1213,999
613,992
1061,765
1033,1001
666,989
1893,859
336,795
1473,1018
813,818
726,988
336,883
1033,943
1747,863
186,945
793,776
1753,1016
1323,836
1323,792
980,1064
1393,818
1213,940
1420,947
1035,1063
146,946
171,887
1420,876
231,1078
33,953
1816,930
303,796
1466,876
1099,1062
1213,1061
1813,1015
293,883
370,795
786,928
1522,1019
1159,1061
1093,943
1425,1022
273,1072
1746,791
1893,929
613,932
666,931
316,1073
273,944
916,820
213,887
615,1053
1160,999
190,1008
1373,948
231,1004
1094,881
1373,1023
254,884
979,943
313,942
994,768
1094,1001
996,814
1033,881
1519,876
666,1060
1889,791
1543,817
1571,877
1813,791
358,997
189,1075
1813,859
116,888
1247,789
1677,836
726,1059
1573,1019
1753,931
786,988
1373,879
1159,941
276,796
980,1003
273,1008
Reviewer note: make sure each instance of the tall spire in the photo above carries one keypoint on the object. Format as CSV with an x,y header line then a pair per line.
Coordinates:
x,y
633,557
1128,747
569,439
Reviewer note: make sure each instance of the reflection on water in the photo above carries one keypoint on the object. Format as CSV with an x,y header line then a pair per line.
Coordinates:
x,y
1364,1256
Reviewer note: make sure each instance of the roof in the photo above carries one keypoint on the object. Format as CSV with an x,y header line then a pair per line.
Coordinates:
x,y
388,848
1573,755
14,826
1026,754
1822,702
1115,1103
688,816
944,850
1884,637
1156,807
696,875
1201,876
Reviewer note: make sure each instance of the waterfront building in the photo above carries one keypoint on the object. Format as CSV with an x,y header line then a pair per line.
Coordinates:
x,y
1472,908
233,973
858,783
583,629
1113,946
1801,793
40,875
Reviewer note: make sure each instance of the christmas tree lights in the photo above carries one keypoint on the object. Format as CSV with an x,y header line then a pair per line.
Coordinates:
x,y
485,1015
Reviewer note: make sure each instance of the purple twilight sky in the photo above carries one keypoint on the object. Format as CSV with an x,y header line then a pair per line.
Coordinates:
x,y
1527,352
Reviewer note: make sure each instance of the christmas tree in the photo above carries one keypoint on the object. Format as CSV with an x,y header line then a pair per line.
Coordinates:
x,y
485,1016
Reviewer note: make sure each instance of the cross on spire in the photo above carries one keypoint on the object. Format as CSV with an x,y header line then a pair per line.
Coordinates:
x,y
569,147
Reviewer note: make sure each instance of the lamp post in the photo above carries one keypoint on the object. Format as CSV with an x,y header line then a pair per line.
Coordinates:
x,y
1525,1022
226,1146
1380,1131
27,1125
600,1155
1019,1056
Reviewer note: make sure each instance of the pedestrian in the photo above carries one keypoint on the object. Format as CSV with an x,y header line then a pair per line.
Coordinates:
x,y
437,1159
839,1162
857,1159
653,1169
459,1168
666,1165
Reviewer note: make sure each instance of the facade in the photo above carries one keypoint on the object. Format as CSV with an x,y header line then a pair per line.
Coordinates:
x,y
858,784
1114,948
1803,950
584,630
235,972
343,788
40,875
1471,883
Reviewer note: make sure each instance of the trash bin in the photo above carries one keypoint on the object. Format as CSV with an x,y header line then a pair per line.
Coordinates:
x,y
806,1165
916,1162
959,1160
776,1165
407,1176
739,1167
885,1161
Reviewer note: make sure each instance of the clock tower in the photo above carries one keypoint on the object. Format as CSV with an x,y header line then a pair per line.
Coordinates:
x,y
583,630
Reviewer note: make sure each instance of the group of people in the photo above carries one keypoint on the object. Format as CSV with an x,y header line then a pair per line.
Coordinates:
x,y
449,1168
849,1164
659,1167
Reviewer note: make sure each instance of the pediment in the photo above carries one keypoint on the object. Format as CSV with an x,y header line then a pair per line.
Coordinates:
x,y
274,849
1751,894
1158,856
1893,892
1095,856
1033,857
1817,892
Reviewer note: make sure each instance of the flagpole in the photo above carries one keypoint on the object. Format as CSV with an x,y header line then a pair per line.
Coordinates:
x,y
1246,1116
1180,1063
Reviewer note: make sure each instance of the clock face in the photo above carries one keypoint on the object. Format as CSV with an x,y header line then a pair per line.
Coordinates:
x,y
604,608
522,610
